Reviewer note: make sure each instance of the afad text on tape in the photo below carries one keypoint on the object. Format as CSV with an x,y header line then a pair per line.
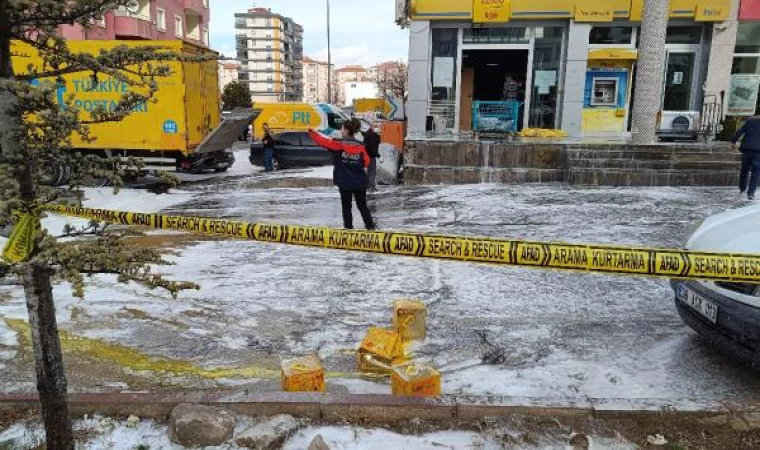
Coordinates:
x,y
577,257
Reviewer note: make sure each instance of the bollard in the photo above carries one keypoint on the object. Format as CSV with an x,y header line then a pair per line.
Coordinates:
x,y
410,319
304,374
383,348
415,379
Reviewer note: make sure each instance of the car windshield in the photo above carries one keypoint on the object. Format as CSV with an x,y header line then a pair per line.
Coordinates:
x,y
336,120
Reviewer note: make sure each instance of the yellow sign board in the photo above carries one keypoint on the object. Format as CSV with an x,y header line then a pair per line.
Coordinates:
x,y
592,11
613,54
712,12
489,11
441,9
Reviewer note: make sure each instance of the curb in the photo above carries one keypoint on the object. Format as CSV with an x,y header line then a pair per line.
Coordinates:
x,y
363,407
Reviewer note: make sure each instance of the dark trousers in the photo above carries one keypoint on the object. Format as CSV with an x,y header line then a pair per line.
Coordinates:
x,y
361,203
372,173
750,172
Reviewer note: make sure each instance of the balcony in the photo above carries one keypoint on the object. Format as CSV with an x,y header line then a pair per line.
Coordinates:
x,y
128,27
195,6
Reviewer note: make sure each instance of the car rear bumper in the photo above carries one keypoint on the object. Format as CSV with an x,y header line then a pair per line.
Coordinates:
x,y
737,327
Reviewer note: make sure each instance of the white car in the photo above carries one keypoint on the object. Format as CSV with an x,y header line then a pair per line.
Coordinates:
x,y
725,313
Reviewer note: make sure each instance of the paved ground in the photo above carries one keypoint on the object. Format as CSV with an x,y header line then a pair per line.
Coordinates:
x,y
560,336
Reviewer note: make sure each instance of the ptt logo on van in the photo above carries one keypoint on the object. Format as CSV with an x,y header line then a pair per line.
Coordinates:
x,y
301,117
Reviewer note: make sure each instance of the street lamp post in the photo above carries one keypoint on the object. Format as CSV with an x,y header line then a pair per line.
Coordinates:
x,y
329,57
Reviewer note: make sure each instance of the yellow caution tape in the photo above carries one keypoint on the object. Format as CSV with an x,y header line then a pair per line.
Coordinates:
x,y
20,245
678,264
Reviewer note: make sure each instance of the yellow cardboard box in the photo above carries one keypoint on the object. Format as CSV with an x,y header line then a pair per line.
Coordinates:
x,y
410,319
304,374
383,346
416,380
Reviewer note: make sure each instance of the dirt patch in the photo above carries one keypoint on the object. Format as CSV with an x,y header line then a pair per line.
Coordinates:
x,y
284,183
171,241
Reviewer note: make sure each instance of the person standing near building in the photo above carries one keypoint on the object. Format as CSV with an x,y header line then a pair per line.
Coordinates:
x,y
749,134
372,144
268,142
350,173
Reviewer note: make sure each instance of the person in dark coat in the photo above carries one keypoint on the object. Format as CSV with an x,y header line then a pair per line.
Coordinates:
x,y
268,142
749,134
372,143
350,173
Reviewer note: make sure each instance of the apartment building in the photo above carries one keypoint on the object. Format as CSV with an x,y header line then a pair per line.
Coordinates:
x,y
348,76
270,51
149,20
316,79
228,72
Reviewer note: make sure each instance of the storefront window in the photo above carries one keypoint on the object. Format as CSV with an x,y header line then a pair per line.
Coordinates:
x,y
444,63
745,82
547,64
684,35
611,36
748,38
511,35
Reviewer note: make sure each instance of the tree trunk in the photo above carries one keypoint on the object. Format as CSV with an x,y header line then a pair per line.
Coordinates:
x,y
650,71
51,378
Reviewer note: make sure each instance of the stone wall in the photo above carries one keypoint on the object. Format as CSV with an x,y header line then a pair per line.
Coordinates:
x,y
469,162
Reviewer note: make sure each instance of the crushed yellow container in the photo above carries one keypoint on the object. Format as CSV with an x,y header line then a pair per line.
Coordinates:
x,y
416,380
379,350
410,319
304,374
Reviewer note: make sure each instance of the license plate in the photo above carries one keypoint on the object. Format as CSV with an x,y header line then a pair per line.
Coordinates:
x,y
700,304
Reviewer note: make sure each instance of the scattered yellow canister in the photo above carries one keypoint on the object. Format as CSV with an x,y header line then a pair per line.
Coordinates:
x,y
415,379
410,319
381,347
304,374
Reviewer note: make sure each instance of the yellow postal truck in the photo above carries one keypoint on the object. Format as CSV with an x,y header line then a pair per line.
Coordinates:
x,y
179,130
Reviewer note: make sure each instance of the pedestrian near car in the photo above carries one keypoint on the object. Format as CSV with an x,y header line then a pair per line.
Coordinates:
x,y
372,144
749,134
350,159
268,143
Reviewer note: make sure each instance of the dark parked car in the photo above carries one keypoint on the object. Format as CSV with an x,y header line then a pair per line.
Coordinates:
x,y
292,149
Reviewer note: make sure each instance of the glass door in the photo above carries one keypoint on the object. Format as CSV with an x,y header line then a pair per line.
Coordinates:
x,y
679,80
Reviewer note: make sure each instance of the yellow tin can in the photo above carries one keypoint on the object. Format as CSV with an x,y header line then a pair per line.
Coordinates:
x,y
410,319
415,379
304,374
379,350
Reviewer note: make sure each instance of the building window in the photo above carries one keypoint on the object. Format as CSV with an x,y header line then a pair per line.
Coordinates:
x,y
160,19
178,27
101,21
611,36
510,35
243,76
748,38
205,3
205,37
240,22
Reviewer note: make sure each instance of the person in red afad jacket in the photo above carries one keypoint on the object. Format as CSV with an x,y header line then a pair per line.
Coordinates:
x,y
350,173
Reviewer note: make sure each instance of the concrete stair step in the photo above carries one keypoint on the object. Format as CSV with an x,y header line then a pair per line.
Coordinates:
x,y
635,164
624,177
653,155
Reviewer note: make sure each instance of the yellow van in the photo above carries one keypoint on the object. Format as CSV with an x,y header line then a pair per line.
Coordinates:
x,y
323,117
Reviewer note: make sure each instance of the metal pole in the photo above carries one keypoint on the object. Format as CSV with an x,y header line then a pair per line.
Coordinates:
x,y
329,58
